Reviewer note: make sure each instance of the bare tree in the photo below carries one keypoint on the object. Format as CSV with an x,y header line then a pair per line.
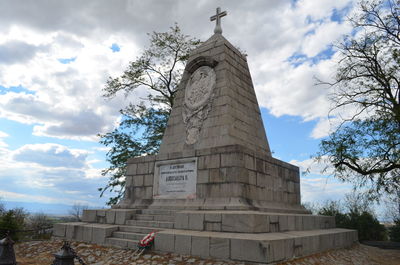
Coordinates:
x,y
77,210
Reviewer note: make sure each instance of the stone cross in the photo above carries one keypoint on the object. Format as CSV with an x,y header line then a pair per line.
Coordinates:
x,y
217,17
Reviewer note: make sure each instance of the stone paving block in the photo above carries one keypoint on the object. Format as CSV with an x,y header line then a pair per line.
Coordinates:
x,y
110,217
183,244
200,246
219,248
196,221
164,242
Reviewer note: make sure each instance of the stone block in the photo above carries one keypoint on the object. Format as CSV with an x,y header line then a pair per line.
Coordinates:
x,y
216,175
183,244
291,221
232,159
79,233
299,223
261,179
148,180
101,232
110,217
131,169
247,250
200,246
249,162
122,215
216,227
181,220
164,242
213,217
70,231
151,167
283,223
128,181
308,222
142,168
252,177
277,250
203,176
138,180
59,230
148,192
196,221
260,167
87,233
219,248
89,216
101,213
244,223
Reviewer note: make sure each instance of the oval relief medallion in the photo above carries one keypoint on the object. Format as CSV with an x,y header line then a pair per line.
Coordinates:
x,y
199,87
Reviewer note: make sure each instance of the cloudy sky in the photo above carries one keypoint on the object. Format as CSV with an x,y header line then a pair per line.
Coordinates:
x,y
55,57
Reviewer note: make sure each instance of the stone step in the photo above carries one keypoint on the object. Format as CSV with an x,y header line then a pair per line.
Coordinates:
x,y
128,235
251,248
121,242
157,224
135,229
156,217
158,212
145,217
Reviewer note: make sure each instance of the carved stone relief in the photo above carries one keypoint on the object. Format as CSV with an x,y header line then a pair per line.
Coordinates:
x,y
198,100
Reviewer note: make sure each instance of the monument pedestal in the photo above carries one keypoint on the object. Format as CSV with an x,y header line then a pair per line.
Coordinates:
x,y
214,190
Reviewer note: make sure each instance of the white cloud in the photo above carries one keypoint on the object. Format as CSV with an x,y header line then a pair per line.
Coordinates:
x,y
51,155
64,100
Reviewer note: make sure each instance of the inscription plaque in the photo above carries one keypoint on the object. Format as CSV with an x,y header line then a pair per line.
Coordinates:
x,y
175,179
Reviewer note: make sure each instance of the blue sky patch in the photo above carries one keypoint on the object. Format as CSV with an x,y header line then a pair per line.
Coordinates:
x,y
66,60
115,47
17,89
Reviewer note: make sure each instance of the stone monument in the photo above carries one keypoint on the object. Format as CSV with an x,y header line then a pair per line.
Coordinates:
x,y
214,190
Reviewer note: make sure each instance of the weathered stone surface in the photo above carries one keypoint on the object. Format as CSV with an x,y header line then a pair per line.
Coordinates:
x,y
164,242
183,244
200,246
219,248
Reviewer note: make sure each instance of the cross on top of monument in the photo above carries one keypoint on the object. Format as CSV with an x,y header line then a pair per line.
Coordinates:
x,y
217,17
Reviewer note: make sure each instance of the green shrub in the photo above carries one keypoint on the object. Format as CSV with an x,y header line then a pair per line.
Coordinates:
x,y
394,231
11,221
358,217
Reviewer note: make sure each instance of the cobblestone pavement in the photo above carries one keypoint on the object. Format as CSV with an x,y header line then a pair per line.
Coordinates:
x,y
41,253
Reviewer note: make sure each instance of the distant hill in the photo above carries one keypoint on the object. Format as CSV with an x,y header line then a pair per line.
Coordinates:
x,y
47,208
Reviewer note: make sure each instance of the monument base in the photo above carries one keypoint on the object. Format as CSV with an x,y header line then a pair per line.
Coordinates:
x,y
245,236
